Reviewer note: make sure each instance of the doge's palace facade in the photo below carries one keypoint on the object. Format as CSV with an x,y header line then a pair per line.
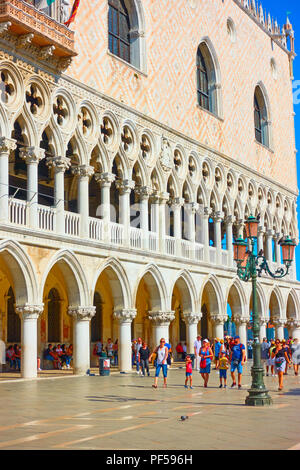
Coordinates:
x,y
131,152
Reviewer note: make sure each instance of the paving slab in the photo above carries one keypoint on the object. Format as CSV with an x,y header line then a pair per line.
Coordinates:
x,y
123,411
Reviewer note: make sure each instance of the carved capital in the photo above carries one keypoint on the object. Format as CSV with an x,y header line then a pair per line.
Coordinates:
x,y
279,322
7,145
125,315
177,202
162,318
82,313
144,192
29,312
105,179
192,318
218,319
242,320
32,154
125,186
83,171
59,163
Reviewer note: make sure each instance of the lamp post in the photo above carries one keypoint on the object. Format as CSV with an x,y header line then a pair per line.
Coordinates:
x,y
249,267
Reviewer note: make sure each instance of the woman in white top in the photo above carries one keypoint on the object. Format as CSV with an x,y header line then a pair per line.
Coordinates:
x,y
161,361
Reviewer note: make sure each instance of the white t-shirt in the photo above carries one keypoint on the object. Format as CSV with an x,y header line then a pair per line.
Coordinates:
x,y
197,345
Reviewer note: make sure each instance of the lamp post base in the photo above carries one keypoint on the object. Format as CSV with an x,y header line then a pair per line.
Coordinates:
x,y
258,397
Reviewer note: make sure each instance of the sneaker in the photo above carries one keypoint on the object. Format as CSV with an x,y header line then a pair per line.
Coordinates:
x,y
220,386
267,375
240,386
148,374
225,386
186,386
233,385
191,387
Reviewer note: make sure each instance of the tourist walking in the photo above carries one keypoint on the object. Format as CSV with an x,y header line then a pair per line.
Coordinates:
x,y
223,366
271,360
281,358
295,349
237,360
188,372
197,347
206,356
115,350
217,352
286,348
138,346
161,362
144,354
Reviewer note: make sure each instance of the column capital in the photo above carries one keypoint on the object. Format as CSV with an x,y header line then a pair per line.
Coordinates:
x,y
162,318
270,233
83,171
82,313
29,312
263,322
242,320
105,179
176,202
32,154
192,206
279,322
154,197
192,318
164,197
144,192
206,212
7,145
126,315
229,220
125,186
293,323
260,230
218,319
218,216
60,164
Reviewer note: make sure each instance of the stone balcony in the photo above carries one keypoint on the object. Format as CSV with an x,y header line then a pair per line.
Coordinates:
x,y
29,25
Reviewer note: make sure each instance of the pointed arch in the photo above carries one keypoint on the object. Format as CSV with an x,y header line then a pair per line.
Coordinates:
x,y
262,115
77,286
215,294
187,288
156,285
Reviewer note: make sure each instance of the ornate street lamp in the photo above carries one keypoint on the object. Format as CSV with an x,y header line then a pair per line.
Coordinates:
x,y
249,267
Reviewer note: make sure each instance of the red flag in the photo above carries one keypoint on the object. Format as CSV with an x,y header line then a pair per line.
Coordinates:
x,y
73,12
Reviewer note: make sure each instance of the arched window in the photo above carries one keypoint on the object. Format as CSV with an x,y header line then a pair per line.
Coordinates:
x,y
119,29
202,82
208,90
126,33
261,124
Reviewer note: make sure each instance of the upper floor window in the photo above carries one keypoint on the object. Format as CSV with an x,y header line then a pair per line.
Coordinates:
x,y
208,79
261,123
119,29
126,32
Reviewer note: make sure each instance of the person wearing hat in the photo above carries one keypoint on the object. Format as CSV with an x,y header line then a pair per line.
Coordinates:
x,y
206,356
217,352
237,359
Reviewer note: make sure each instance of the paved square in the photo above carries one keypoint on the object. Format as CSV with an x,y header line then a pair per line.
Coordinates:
x,y
124,412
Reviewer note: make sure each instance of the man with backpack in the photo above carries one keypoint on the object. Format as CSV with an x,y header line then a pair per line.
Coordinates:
x,y
237,360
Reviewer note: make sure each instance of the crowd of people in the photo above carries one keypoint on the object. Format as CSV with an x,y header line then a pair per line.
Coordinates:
x,y
61,355
13,357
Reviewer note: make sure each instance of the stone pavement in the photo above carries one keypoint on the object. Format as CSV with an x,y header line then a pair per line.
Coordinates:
x,y
124,412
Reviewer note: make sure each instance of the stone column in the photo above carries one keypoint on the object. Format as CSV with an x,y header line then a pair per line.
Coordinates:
x,y
105,180
6,146
269,246
205,225
242,323
29,315
176,208
263,329
164,197
191,321
32,156
229,240
154,213
60,165
144,194
218,237
161,323
84,172
81,337
218,321
260,239
295,326
125,187
279,328
277,248
125,318
190,211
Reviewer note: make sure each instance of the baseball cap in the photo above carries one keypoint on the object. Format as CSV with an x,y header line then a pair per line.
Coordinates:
x,y
205,341
236,337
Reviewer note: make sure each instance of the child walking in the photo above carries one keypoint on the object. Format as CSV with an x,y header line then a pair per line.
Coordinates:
x,y
188,371
223,366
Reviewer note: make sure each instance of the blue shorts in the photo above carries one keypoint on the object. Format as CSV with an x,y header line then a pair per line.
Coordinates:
x,y
188,374
205,370
164,368
239,367
223,373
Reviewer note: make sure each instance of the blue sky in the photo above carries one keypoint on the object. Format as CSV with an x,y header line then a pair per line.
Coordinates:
x,y
278,10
